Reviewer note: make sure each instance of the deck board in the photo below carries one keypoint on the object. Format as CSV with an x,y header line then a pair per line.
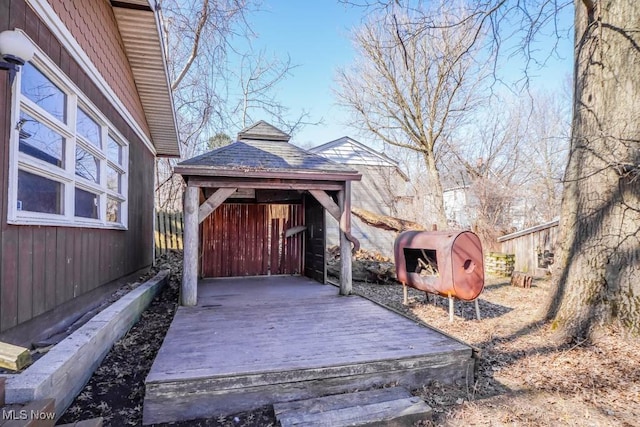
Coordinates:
x,y
247,335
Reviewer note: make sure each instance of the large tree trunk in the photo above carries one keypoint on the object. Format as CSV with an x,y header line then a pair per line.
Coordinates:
x,y
599,267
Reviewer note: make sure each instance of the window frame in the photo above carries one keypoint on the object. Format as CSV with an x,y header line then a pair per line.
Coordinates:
x,y
71,140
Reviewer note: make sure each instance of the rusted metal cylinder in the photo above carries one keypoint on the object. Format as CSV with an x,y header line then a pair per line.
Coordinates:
x,y
447,263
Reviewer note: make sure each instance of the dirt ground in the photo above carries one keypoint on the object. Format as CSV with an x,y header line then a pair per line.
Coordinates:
x,y
523,378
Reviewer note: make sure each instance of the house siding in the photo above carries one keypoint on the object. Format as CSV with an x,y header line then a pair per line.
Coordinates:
x,y
43,267
380,191
93,25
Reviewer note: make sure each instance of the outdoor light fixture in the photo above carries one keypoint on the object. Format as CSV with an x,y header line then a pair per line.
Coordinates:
x,y
15,50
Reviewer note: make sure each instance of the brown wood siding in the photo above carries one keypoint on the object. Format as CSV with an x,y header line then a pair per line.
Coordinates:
x,y
249,240
315,240
43,267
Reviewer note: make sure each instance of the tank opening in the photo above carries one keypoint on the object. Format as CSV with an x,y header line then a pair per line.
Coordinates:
x,y
421,261
469,266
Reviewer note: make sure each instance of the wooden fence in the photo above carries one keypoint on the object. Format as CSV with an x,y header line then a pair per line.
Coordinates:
x,y
168,232
533,248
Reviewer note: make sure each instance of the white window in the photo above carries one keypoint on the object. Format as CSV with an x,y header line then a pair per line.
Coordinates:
x,y
68,164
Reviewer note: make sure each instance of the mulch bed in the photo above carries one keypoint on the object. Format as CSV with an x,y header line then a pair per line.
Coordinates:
x,y
523,376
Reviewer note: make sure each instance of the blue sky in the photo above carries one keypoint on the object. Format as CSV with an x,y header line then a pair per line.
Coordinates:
x,y
315,34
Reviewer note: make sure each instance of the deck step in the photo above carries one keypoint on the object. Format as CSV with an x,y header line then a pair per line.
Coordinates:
x,y
380,407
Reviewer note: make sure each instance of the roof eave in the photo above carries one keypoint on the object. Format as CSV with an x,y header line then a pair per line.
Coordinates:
x,y
141,34
208,171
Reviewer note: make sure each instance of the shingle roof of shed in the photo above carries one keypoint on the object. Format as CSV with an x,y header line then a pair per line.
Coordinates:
x,y
263,131
267,154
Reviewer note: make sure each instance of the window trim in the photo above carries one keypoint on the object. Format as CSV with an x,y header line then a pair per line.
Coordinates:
x,y
66,175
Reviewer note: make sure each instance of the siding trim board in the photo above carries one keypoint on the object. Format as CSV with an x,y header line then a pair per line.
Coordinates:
x,y
49,17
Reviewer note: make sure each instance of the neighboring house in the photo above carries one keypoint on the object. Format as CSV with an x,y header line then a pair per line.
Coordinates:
x,y
457,206
81,126
384,189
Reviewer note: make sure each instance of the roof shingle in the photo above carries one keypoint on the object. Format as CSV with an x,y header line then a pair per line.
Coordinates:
x,y
262,153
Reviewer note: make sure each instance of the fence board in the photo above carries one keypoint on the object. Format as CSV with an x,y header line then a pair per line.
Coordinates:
x,y
169,231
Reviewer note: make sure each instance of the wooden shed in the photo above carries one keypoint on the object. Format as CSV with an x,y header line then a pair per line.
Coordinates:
x,y
256,207
533,247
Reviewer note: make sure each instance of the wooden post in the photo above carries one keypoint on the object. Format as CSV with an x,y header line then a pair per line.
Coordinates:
x,y
477,309
189,290
344,198
405,299
450,309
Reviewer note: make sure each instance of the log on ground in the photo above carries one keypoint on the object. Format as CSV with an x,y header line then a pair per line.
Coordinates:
x,y
386,222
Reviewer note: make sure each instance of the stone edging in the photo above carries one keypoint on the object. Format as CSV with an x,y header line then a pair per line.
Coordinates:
x,y
62,372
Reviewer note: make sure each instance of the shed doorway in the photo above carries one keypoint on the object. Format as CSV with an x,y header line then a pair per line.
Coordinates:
x,y
251,239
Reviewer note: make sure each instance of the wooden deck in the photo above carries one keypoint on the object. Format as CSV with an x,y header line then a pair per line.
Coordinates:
x,y
257,341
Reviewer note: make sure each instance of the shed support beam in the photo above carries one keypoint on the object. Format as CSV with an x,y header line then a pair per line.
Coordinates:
x,y
344,198
327,202
336,212
213,202
189,289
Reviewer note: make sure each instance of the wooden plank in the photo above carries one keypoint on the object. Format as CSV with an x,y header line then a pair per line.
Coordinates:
x,y
364,408
264,233
345,245
156,233
39,271
213,202
275,246
9,288
14,357
3,380
273,196
162,231
189,291
203,172
50,266
180,227
327,202
77,262
25,274
88,258
266,184
173,402
70,262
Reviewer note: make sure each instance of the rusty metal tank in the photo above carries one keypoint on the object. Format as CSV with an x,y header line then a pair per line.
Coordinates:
x,y
447,263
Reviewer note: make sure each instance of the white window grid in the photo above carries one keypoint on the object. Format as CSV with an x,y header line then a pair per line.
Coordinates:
x,y
66,175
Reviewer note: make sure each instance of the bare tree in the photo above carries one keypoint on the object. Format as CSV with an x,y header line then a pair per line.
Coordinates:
x,y
211,93
198,41
259,77
411,85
